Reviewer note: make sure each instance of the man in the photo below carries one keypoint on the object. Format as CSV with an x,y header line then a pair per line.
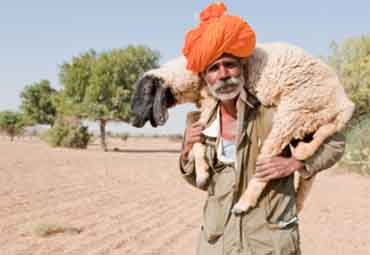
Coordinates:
x,y
232,136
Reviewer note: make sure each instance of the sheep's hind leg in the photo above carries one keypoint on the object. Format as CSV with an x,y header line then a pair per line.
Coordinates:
x,y
199,150
305,150
249,197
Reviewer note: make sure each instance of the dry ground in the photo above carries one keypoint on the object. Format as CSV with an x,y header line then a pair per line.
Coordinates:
x,y
132,202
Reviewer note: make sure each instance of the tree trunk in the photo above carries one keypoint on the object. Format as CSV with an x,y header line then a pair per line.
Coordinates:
x,y
12,134
103,143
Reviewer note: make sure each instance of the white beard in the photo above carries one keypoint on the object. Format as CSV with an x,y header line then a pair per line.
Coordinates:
x,y
236,82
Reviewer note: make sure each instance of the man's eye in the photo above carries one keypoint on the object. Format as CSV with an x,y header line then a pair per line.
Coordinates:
x,y
231,64
213,68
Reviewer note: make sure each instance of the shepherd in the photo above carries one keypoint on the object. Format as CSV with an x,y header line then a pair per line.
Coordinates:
x,y
238,125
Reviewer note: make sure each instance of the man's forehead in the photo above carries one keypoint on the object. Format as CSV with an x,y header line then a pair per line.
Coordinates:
x,y
226,56
222,58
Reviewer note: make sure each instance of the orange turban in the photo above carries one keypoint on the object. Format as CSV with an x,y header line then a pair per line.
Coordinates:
x,y
217,34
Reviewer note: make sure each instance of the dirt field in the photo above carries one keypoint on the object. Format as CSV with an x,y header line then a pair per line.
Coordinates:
x,y
133,203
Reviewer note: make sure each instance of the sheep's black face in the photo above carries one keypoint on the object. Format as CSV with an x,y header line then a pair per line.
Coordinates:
x,y
151,101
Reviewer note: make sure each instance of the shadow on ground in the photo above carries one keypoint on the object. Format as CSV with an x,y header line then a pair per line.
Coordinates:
x,y
145,151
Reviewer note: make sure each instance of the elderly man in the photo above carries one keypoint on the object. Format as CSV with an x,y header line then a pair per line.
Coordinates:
x,y
232,135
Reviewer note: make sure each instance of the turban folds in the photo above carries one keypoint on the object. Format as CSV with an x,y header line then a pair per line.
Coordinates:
x,y
217,34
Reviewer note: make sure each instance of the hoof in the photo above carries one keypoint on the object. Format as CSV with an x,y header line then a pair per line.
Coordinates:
x,y
202,179
240,208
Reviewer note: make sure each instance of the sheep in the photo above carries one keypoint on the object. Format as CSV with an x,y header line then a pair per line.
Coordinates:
x,y
306,92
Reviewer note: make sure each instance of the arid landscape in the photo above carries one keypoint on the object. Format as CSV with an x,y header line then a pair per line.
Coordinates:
x,y
133,201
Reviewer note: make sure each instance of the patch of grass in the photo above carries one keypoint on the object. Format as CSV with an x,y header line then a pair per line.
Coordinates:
x,y
46,230
357,156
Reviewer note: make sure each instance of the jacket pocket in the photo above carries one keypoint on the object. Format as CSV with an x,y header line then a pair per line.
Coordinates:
x,y
215,214
281,217
286,240
213,219
280,203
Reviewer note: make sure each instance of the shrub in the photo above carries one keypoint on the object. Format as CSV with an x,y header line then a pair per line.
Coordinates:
x,y
12,123
351,60
124,136
63,134
357,156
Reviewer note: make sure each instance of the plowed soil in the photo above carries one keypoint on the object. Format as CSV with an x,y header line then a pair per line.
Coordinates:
x,y
134,201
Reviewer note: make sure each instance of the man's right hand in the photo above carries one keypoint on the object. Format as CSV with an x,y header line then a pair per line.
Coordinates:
x,y
193,134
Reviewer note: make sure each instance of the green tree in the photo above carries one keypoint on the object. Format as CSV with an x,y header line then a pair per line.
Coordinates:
x,y
99,87
75,78
37,103
351,60
12,123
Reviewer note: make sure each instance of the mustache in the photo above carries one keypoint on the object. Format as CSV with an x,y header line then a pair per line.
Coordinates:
x,y
232,81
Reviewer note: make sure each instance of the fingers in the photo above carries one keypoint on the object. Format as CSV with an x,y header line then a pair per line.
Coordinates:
x,y
272,168
197,138
194,124
197,125
196,130
270,174
194,133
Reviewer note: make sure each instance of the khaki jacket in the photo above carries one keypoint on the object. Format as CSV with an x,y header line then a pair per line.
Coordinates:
x,y
265,229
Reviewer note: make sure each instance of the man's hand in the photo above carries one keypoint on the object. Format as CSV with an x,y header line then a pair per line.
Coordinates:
x,y
193,134
277,167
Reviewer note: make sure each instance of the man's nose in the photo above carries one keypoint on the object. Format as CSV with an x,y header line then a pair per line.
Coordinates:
x,y
223,73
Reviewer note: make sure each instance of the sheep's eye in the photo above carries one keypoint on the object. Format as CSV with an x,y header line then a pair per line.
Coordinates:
x,y
147,89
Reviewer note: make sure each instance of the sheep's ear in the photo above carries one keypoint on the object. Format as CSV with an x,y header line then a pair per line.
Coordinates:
x,y
139,93
142,101
160,112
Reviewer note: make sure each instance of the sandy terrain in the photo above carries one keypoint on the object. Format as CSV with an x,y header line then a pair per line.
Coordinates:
x,y
132,202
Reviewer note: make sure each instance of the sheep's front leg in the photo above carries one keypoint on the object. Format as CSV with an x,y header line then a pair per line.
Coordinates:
x,y
271,146
199,150
201,166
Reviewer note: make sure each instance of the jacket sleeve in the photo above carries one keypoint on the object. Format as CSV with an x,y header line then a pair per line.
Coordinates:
x,y
326,156
187,169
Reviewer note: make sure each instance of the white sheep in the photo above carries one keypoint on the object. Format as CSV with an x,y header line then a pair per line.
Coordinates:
x,y
306,93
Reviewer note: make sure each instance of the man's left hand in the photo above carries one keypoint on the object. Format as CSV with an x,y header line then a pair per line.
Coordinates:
x,y
276,167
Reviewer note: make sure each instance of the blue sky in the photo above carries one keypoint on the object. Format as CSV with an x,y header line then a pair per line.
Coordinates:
x,y
38,36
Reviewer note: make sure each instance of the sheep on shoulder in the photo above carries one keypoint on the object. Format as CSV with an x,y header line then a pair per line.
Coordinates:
x,y
306,93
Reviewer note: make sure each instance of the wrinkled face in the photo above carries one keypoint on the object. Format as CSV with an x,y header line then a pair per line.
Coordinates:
x,y
224,78
151,101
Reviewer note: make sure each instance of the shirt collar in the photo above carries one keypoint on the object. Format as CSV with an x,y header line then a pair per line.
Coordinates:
x,y
213,129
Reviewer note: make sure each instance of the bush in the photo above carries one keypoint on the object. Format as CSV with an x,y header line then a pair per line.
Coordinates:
x,y
357,156
12,123
124,136
68,135
351,60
